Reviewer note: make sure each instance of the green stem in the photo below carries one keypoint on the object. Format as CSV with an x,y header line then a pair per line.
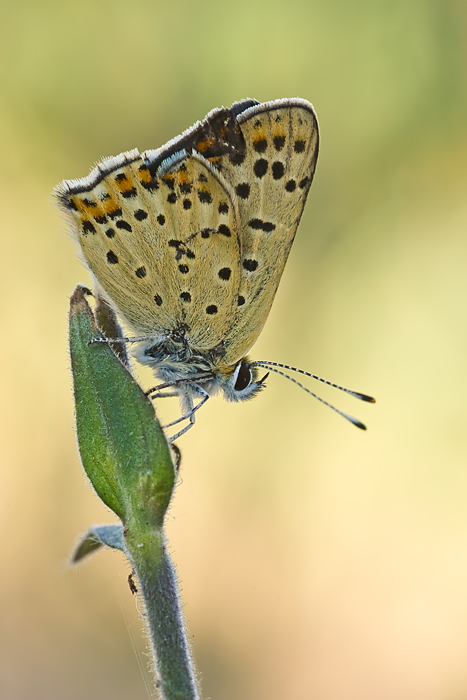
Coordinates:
x,y
164,618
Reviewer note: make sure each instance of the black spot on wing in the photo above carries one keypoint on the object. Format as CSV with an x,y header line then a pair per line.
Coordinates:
x,y
260,145
250,265
225,273
128,194
278,142
112,259
299,146
204,197
243,190
260,168
140,215
123,225
151,184
278,170
116,212
68,203
88,227
169,180
260,225
182,249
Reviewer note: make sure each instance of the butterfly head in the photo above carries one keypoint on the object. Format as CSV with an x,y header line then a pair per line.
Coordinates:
x,y
240,382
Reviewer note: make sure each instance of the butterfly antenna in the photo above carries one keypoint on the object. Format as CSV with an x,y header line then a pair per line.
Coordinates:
x,y
353,420
356,394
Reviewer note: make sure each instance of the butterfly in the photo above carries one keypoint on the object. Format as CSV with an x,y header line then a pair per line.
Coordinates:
x,y
188,242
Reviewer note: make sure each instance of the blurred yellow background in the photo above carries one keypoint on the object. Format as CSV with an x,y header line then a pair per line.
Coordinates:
x,y
316,561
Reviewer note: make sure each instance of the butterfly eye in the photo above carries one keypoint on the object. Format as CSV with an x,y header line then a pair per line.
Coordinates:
x,y
243,377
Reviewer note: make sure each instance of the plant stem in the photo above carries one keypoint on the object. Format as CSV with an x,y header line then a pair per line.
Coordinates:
x,y
164,618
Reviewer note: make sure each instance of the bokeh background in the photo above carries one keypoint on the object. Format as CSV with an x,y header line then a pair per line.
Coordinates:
x,y
316,561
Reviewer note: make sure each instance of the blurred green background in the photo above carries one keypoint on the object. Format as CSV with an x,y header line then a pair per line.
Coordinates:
x,y
316,561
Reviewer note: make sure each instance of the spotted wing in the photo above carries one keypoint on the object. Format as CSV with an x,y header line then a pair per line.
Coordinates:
x,y
161,238
271,177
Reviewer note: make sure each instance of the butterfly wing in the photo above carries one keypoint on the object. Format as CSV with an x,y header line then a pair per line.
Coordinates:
x,y
271,177
161,238
195,235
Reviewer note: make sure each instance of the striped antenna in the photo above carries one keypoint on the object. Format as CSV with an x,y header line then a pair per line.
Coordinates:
x,y
358,395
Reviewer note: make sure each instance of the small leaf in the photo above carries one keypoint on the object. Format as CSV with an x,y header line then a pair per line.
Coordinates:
x,y
96,537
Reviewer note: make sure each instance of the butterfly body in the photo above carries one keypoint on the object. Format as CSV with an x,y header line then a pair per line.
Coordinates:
x,y
188,242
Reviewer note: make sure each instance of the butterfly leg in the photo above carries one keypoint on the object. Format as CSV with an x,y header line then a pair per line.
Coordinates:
x,y
181,432
136,339
175,382
190,413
